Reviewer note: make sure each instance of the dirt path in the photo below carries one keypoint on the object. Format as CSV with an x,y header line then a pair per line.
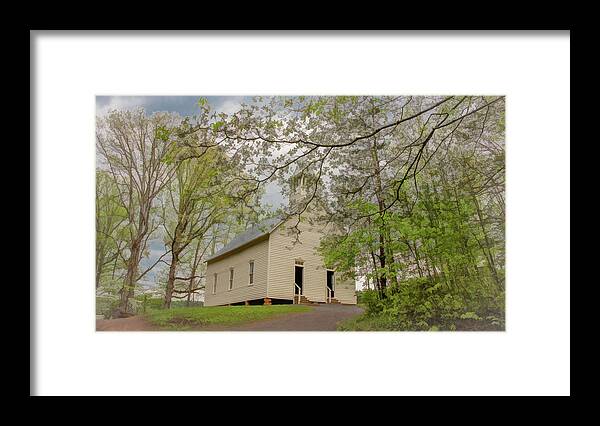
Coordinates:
x,y
320,318
125,324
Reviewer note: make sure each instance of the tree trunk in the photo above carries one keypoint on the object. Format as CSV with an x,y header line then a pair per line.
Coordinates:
x,y
99,268
390,258
171,280
382,263
195,263
414,251
127,291
381,206
488,253
114,267
190,288
376,283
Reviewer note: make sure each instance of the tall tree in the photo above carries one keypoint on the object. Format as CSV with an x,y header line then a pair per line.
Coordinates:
x,y
359,147
132,148
196,201
110,219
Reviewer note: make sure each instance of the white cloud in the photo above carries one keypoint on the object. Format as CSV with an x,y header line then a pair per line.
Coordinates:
x,y
121,102
230,105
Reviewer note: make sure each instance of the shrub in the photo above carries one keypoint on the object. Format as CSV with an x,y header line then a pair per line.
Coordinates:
x,y
426,304
105,305
370,299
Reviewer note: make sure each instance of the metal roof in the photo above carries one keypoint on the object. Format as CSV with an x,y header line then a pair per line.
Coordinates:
x,y
259,230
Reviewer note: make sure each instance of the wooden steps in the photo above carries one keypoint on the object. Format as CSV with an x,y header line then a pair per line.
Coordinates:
x,y
305,301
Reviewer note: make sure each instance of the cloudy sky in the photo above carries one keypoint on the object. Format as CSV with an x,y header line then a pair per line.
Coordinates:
x,y
185,106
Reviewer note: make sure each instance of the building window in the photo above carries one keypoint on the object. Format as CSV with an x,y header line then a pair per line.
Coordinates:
x,y
251,272
230,278
215,284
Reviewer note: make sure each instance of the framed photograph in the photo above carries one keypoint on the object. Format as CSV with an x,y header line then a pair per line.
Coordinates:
x,y
300,213
339,200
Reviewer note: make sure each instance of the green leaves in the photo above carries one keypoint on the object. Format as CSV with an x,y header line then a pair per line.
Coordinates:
x,y
437,239
316,107
217,125
470,315
162,133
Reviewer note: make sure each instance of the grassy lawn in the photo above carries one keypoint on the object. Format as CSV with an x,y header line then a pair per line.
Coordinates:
x,y
381,323
366,322
363,323
187,318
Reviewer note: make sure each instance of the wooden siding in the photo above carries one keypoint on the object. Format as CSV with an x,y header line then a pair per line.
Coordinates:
x,y
282,256
345,290
239,261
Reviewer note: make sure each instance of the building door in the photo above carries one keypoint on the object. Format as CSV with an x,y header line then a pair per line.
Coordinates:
x,y
299,276
330,283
